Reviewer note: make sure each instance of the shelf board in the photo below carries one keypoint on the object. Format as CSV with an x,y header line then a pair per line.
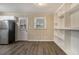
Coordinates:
x,y
73,9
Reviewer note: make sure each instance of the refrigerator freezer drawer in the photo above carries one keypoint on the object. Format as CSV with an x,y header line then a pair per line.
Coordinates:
x,y
3,36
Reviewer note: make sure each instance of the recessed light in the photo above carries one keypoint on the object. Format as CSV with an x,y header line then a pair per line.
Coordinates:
x,y
40,4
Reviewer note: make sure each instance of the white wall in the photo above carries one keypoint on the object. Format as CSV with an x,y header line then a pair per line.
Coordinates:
x,y
75,42
75,19
75,34
36,34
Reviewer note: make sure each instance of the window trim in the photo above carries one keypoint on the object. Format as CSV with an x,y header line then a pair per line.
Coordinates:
x,y
23,17
45,23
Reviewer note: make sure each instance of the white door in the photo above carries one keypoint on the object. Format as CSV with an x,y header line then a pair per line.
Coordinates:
x,y
22,28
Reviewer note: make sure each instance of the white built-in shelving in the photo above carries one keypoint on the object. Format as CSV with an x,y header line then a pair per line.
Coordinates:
x,y
66,27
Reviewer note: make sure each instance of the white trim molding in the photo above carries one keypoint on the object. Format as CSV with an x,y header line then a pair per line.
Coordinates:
x,y
43,18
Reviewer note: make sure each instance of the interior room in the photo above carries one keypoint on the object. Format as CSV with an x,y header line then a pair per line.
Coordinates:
x,y
39,28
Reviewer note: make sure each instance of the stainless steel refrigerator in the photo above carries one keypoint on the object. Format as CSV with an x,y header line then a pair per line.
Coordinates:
x,y
7,31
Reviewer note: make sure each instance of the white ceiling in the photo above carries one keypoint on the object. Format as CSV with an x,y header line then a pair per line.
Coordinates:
x,y
29,7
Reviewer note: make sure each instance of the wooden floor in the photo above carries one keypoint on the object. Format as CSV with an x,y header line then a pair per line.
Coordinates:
x,y
31,48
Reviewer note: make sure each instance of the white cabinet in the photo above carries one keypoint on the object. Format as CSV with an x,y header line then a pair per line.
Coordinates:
x,y
7,18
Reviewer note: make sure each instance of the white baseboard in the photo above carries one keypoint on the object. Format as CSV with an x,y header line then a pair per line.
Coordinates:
x,y
40,40
34,40
21,40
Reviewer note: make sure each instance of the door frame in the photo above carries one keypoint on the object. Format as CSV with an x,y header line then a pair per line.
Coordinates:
x,y
25,17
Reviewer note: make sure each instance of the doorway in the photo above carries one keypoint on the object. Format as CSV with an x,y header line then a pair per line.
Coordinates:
x,y
22,28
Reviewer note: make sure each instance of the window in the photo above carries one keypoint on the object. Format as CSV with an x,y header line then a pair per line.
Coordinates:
x,y
23,23
40,23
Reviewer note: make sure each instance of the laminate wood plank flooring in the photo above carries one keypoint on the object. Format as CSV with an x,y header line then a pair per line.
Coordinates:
x,y
31,48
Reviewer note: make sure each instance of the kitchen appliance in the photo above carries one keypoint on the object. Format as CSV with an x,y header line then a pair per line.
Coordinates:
x,y
7,31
